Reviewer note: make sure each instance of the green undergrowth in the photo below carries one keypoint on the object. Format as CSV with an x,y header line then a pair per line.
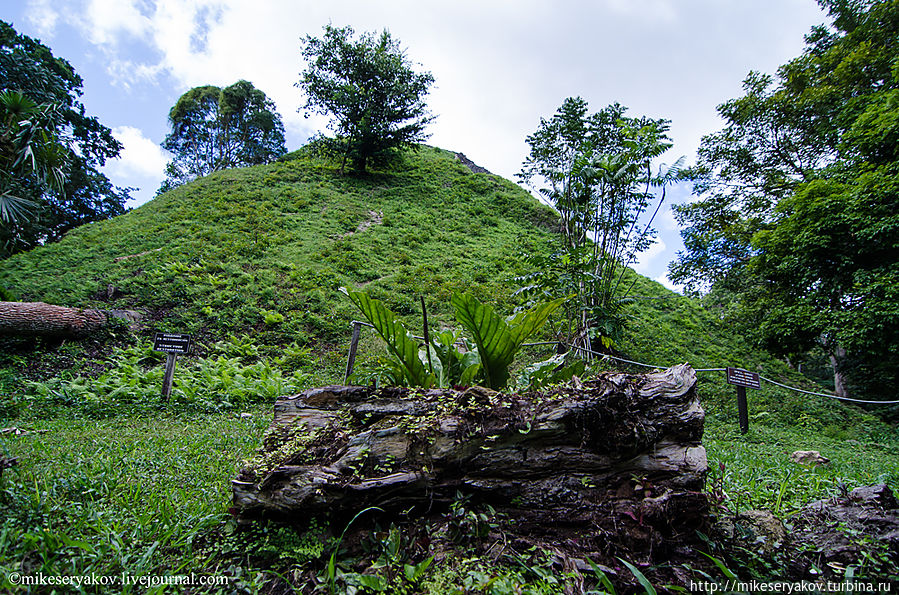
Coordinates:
x,y
665,329
230,376
126,494
754,471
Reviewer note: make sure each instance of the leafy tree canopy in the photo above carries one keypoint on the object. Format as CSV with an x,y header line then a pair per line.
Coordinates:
x,y
214,129
29,153
371,91
50,150
797,229
597,171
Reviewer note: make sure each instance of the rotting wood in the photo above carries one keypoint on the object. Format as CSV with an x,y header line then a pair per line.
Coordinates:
x,y
38,319
617,460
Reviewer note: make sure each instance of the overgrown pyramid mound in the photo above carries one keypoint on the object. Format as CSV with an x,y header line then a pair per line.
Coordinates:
x,y
264,249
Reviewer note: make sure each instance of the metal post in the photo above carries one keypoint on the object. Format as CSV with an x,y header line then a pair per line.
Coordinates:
x,y
169,376
351,358
742,409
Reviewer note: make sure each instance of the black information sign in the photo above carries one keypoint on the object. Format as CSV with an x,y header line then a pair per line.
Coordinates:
x,y
171,343
742,377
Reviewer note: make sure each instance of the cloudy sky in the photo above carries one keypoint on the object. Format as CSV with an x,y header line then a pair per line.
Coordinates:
x,y
499,65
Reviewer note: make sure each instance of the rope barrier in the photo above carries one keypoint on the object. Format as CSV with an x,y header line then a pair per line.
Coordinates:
x,y
799,390
774,382
628,361
607,356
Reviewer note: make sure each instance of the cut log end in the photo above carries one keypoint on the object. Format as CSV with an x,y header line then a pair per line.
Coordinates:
x,y
37,319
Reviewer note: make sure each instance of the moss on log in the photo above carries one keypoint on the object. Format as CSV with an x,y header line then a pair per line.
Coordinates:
x,y
616,461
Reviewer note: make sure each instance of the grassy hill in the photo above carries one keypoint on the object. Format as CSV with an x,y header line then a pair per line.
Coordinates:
x,y
214,256
250,261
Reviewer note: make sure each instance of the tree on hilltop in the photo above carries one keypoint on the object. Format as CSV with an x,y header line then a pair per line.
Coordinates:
x,y
369,88
214,129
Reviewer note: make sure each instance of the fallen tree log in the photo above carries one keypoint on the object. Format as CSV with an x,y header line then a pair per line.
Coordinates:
x,y
37,319
616,463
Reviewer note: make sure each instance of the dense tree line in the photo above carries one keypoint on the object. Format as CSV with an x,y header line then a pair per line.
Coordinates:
x,y
50,149
796,234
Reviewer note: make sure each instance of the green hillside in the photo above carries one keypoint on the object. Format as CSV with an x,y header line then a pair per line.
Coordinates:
x,y
226,249
250,261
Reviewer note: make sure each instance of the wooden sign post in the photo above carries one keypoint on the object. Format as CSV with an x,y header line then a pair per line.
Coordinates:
x,y
351,358
741,379
172,344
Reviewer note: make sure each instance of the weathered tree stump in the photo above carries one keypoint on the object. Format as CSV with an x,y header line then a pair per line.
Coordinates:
x,y
615,463
37,319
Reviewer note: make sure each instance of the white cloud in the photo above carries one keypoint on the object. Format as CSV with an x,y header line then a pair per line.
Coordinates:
x,y
43,15
663,279
662,10
667,222
141,163
105,21
131,75
645,259
173,34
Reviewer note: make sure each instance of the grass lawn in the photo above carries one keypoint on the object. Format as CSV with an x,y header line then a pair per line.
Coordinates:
x,y
148,494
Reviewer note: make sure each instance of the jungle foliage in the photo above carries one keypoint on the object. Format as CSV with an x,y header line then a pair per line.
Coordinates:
x,y
370,89
597,171
796,233
441,363
29,151
215,128
51,151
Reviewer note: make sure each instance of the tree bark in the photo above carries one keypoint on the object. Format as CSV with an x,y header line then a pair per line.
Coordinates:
x,y
37,319
839,381
616,459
